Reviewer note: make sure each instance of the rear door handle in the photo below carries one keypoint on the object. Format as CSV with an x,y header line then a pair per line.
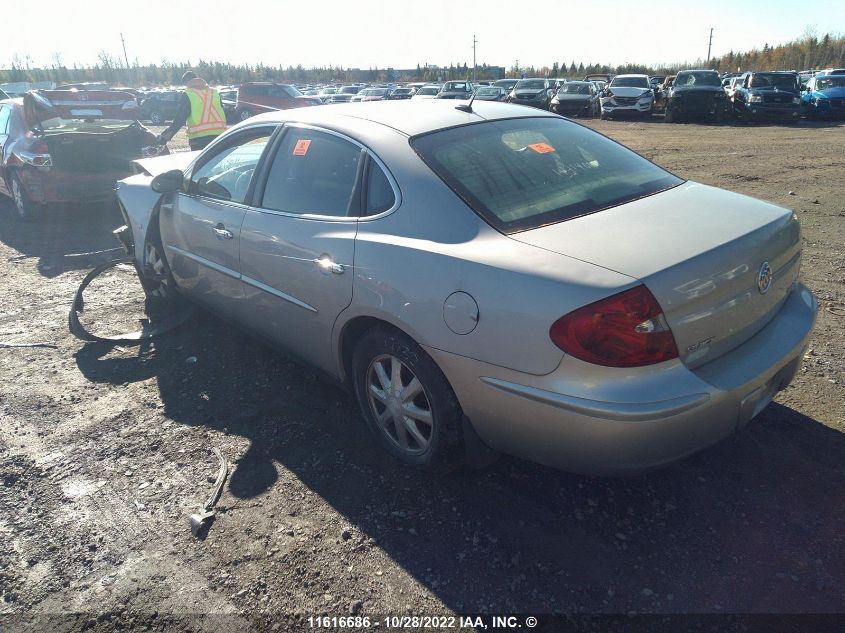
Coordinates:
x,y
221,232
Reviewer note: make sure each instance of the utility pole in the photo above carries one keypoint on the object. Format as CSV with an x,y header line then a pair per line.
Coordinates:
x,y
474,42
125,56
709,45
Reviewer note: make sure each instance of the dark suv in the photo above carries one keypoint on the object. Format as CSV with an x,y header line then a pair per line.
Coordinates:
x,y
158,107
696,94
768,95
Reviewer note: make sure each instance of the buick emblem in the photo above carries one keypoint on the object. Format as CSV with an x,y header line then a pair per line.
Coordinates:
x,y
764,278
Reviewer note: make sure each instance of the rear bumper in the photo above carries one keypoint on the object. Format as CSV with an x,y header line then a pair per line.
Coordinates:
x,y
59,186
603,421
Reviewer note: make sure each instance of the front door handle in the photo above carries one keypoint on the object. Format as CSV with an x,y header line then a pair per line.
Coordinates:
x,y
326,264
221,232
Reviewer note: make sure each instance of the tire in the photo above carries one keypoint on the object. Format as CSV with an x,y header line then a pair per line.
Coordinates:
x,y
156,117
25,209
244,114
387,363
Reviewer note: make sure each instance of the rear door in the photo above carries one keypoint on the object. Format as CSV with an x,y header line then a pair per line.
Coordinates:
x,y
298,242
201,228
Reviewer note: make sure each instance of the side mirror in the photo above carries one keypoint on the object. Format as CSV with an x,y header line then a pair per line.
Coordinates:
x,y
168,182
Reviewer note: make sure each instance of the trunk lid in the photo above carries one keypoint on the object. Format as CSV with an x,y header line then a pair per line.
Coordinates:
x,y
42,105
700,251
99,146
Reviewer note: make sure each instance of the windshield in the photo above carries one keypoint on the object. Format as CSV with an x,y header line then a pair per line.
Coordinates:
x,y
519,174
455,85
630,82
530,84
774,80
350,90
328,91
830,81
402,91
293,91
433,90
697,79
575,89
487,91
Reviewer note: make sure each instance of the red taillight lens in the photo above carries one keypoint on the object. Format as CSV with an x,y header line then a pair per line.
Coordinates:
x,y
625,330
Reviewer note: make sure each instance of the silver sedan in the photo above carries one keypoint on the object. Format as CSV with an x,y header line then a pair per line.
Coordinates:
x,y
485,275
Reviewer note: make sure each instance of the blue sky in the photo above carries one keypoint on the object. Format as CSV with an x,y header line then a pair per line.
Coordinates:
x,y
368,33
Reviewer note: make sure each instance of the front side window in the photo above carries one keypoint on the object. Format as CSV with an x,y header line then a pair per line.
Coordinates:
x,y
520,174
226,176
313,173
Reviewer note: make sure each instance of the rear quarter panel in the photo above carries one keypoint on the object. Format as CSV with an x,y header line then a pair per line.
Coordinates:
x,y
408,262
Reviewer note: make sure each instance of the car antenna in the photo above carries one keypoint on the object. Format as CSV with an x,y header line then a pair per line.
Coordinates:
x,y
468,106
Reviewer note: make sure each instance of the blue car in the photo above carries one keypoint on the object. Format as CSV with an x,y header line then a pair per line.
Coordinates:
x,y
824,97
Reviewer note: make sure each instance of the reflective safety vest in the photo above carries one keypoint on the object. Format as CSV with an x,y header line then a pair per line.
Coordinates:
x,y
207,117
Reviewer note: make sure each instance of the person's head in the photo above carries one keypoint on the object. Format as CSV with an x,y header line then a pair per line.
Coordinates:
x,y
190,74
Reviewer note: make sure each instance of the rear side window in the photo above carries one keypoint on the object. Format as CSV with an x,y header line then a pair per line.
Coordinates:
x,y
5,115
313,173
519,174
380,197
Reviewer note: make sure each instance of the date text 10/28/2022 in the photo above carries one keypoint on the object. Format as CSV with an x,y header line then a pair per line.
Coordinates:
x,y
423,621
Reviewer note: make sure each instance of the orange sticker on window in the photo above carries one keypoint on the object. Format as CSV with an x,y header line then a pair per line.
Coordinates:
x,y
542,148
301,147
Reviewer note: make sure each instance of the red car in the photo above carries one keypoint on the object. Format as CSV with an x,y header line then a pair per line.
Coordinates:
x,y
257,97
56,147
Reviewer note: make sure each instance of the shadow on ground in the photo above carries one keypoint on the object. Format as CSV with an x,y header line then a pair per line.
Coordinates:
x,y
751,525
66,237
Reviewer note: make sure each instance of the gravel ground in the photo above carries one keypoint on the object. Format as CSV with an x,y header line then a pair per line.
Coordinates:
x,y
105,451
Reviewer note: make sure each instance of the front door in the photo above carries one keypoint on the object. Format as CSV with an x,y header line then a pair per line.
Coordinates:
x,y
298,243
201,228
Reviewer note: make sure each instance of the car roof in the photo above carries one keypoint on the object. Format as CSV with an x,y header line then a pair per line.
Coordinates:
x,y
407,118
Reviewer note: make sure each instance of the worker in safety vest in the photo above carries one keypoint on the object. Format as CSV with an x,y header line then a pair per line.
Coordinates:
x,y
200,109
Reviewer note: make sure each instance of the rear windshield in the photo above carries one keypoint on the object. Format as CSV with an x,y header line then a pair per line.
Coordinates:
x,y
428,91
520,174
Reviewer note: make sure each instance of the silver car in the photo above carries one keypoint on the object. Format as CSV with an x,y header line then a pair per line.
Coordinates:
x,y
485,273
627,95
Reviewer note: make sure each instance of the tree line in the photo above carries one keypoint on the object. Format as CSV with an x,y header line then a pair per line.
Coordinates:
x,y
806,52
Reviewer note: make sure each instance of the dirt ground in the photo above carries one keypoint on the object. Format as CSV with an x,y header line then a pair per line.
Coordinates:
x,y
105,451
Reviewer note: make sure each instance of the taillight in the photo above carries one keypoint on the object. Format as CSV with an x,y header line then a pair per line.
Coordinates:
x,y
625,330
38,155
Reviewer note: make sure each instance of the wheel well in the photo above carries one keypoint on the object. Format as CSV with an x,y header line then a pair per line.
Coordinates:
x,y
352,332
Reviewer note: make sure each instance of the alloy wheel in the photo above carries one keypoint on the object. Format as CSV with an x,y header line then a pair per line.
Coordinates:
x,y
399,404
18,197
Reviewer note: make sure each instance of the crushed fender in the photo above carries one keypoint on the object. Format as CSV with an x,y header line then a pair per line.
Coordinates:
x,y
201,520
150,329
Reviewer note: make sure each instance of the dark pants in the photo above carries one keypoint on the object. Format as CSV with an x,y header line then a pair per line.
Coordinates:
x,y
201,142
